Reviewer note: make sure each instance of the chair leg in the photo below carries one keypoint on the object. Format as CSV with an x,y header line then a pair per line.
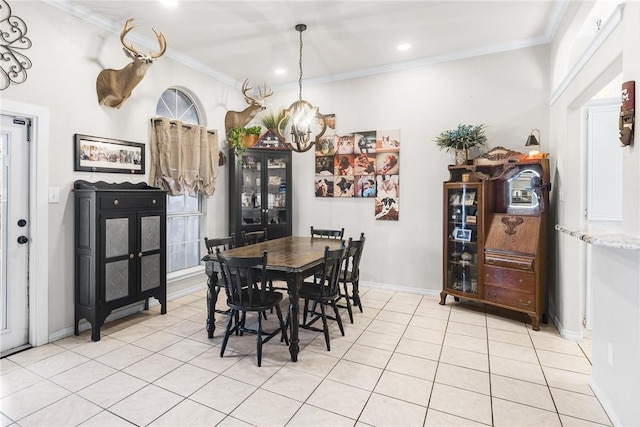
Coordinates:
x,y
283,326
242,322
338,318
356,296
348,299
227,332
325,327
305,311
259,341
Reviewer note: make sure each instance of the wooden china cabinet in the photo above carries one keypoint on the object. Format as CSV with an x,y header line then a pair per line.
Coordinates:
x,y
494,233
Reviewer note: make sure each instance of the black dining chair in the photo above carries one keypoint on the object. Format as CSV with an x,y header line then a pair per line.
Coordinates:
x,y
350,275
327,233
253,237
248,290
323,289
223,243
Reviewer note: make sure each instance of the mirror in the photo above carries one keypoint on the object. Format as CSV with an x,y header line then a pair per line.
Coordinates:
x,y
521,195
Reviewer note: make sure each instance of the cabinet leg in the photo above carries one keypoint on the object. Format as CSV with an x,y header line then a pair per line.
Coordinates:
x,y
146,304
443,298
535,322
456,299
545,318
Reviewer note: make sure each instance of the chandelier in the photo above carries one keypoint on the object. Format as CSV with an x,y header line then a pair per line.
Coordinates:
x,y
302,124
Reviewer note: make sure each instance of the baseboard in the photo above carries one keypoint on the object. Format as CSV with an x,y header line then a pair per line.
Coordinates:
x,y
605,402
566,333
386,287
121,312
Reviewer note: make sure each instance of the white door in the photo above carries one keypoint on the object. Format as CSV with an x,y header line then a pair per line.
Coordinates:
x,y
14,234
604,177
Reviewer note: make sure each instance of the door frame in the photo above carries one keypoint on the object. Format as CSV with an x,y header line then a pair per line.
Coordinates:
x,y
39,214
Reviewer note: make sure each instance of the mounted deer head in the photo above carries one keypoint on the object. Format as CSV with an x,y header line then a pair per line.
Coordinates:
x,y
241,118
115,86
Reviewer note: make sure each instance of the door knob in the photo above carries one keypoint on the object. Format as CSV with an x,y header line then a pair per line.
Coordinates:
x,y
22,240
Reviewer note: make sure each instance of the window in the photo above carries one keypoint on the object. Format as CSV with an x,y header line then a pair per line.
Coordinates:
x,y
184,212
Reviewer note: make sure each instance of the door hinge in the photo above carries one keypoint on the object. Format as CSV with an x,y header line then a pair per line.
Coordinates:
x,y
586,213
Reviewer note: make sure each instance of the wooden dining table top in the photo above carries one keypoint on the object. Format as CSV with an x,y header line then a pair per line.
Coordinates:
x,y
292,253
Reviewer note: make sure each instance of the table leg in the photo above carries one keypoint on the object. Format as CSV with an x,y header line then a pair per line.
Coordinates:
x,y
294,316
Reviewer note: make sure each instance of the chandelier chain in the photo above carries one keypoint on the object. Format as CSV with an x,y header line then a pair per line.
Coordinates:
x,y
300,65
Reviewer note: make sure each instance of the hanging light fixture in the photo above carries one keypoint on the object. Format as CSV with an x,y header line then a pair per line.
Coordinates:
x,y
302,124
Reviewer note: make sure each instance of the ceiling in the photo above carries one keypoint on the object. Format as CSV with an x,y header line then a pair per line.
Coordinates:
x,y
234,40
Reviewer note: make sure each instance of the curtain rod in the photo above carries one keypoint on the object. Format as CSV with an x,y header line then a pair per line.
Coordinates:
x,y
173,123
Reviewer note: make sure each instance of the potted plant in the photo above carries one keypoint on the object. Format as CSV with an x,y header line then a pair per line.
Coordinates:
x,y
271,119
461,139
242,138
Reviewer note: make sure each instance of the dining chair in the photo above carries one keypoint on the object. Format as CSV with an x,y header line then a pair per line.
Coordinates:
x,y
247,290
327,233
350,275
224,243
323,289
252,237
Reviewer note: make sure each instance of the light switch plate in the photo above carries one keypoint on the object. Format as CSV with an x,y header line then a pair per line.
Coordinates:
x,y
54,195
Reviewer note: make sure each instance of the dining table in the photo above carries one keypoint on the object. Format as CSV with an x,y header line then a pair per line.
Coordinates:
x,y
291,258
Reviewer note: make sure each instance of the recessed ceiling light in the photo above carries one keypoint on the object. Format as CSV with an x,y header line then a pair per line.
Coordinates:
x,y
280,71
169,3
404,46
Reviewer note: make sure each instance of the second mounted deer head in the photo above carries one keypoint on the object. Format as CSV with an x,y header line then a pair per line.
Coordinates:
x,y
256,103
115,86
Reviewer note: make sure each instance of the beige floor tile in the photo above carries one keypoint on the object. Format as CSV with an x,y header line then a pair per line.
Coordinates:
x,y
378,294
587,348
387,411
187,299
568,380
185,379
462,403
406,298
124,356
70,411
185,350
441,419
509,337
368,313
422,334
106,418
387,328
464,342
531,372
464,378
355,374
153,367
377,340
564,361
112,389
429,323
512,351
420,349
310,416
368,356
523,392
232,422
341,398
31,399
508,414
212,361
556,344
160,321
432,313
158,341
83,375
369,303
579,406
25,358
235,392
98,348
478,331
266,408
339,346
411,365
7,366
507,324
146,405
400,307
189,414
17,380
568,421
471,318
58,363
465,358
187,311
293,384
74,340
248,371
319,364
404,387
133,333
394,317
185,328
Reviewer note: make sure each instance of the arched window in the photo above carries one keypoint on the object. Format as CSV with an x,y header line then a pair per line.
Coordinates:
x,y
184,212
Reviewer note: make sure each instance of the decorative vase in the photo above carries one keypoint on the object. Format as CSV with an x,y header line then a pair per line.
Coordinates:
x,y
460,157
249,140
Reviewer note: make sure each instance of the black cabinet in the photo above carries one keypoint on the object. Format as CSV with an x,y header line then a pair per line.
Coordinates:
x,y
260,193
120,245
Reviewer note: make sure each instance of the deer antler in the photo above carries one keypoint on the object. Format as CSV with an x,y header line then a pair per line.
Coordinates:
x,y
263,92
161,40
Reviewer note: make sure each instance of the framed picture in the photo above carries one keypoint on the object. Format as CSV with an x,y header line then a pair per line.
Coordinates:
x,y
469,198
471,219
96,154
462,234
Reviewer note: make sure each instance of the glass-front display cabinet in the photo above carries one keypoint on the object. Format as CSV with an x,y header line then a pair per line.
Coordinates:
x,y
260,193
462,232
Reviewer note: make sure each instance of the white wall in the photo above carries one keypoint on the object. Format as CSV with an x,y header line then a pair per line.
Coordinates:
x,y
507,91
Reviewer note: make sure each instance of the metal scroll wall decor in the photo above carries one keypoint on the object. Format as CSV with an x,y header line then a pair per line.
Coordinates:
x,y
13,41
360,164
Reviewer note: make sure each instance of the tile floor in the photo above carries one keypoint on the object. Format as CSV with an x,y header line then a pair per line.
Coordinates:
x,y
406,361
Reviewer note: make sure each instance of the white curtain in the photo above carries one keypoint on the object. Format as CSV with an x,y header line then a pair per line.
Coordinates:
x,y
184,157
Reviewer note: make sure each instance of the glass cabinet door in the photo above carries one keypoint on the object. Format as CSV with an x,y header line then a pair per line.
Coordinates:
x,y
251,198
276,190
461,247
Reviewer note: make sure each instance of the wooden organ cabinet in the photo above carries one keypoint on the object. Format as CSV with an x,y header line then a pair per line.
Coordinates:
x,y
495,227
